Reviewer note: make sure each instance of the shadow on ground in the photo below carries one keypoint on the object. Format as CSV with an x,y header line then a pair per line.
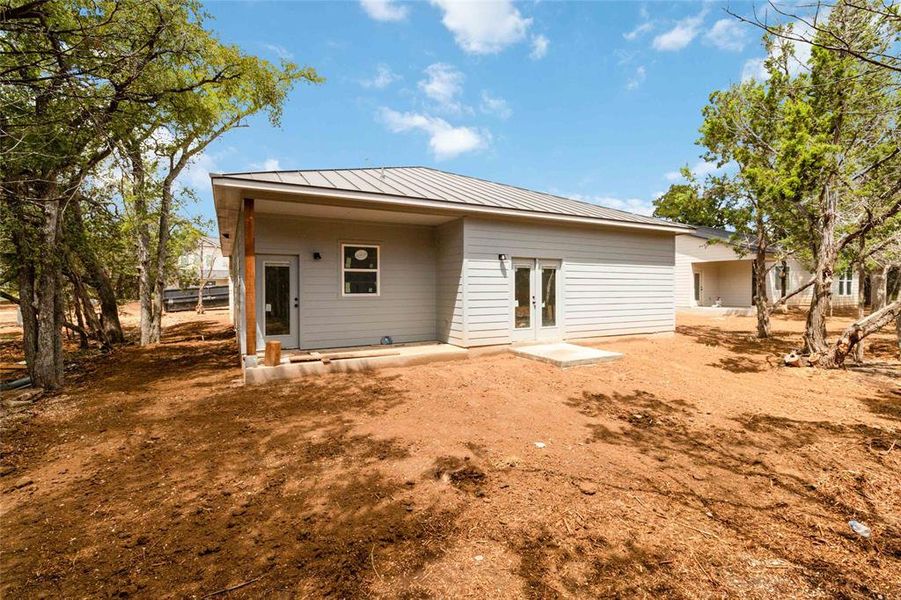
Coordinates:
x,y
198,492
703,464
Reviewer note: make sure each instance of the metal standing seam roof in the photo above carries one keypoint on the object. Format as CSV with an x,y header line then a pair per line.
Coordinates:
x,y
426,183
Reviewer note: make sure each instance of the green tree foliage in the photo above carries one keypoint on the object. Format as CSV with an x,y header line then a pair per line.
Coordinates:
x,y
83,82
816,154
691,204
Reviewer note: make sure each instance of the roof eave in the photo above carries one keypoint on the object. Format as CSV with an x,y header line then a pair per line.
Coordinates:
x,y
227,181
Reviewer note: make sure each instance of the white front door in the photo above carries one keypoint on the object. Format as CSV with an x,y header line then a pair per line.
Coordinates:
x,y
278,303
536,305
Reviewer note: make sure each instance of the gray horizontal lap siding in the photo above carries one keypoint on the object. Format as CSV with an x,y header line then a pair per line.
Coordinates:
x,y
614,282
450,282
405,308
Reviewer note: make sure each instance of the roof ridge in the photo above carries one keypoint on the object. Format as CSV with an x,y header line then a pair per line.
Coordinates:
x,y
336,169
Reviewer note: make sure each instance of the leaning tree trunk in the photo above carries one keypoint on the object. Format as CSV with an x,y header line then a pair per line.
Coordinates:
x,y
79,319
835,356
815,328
760,298
82,301
97,277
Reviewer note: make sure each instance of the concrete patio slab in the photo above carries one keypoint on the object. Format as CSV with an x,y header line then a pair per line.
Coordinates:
x,y
565,355
343,360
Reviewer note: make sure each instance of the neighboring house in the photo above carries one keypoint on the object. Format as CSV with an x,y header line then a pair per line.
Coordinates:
x,y
205,262
334,258
709,272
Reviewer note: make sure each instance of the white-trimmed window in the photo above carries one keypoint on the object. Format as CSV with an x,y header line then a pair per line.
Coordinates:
x,y
360,269
844,283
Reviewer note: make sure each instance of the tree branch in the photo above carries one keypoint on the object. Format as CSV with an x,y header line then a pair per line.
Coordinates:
x,y
785,298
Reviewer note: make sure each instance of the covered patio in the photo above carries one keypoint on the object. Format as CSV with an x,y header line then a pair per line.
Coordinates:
x,y
723,283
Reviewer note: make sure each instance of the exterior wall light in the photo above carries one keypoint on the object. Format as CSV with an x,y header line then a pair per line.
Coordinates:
x,y
317,256
502,257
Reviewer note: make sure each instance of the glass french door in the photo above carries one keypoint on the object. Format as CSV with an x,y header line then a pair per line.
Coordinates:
x,y
536,299
278,302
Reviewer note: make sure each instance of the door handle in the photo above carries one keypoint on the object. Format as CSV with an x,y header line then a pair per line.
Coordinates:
x,y
534,304
296,304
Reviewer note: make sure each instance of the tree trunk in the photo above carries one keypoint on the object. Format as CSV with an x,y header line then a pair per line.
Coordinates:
x,y
898,333
162,248
79,318
41,299
835,356
142,244
760,297
199,308
85,309
878,287
815,328
861,303
97,277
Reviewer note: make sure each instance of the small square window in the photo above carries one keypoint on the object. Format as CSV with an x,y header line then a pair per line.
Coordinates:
x,y
359,270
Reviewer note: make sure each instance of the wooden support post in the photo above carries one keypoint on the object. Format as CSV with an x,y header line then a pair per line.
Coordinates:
x,y
273,356
250,278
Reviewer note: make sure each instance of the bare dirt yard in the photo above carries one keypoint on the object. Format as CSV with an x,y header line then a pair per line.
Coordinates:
x,y
696,467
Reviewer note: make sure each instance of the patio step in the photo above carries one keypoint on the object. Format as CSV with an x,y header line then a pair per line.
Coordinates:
x,y
565,355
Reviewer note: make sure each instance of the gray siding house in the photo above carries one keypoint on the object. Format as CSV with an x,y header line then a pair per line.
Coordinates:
x,y
346,257
709,273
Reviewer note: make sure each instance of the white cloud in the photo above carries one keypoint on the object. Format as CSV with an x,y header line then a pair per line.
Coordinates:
x,y
383,77
701,169
197,174
680,35
445,140
494,105
637,79
443,84
802,50
539,47
639,31
270,164
279,51
633,205
728,34
483,27
754,69
385,10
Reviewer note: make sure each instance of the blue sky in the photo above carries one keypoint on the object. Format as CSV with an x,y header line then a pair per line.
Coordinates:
x,y
595,100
